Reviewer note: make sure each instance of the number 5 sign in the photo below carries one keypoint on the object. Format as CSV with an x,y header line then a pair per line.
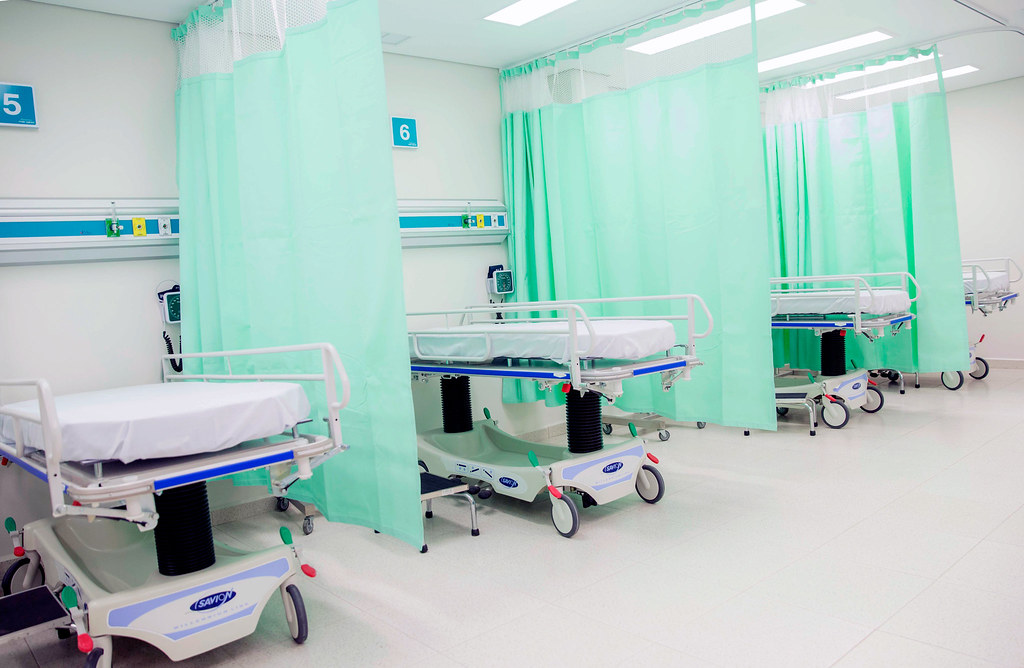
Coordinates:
x,y
403,132
17,105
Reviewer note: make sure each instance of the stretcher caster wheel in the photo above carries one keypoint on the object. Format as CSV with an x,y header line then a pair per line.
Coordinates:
x,y
606,428
781,410
980,368
282,504
953,380
565,516
649,484
307,526
746,432
664,435
296,614
701,425
835,414
11,580
875,401
92,659
423,550
485,493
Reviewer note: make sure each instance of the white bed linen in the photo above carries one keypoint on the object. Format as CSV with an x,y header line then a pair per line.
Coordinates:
x,y
881,301
997,281
614,339
164,420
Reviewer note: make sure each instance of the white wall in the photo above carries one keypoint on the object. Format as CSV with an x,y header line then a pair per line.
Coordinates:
x,y
986,126
458,121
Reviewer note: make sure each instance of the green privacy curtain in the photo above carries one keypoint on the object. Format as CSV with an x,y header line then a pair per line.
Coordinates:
x,y
629,173
289,226
860,180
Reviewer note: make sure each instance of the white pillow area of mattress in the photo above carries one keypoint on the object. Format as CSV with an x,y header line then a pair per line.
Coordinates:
x,y
880,301
613,339
164,420
997,281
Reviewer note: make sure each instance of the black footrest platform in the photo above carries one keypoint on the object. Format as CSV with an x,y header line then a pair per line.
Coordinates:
x,y
29,611
430,483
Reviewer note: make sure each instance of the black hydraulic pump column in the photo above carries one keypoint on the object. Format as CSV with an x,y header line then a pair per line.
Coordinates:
x,y
583,422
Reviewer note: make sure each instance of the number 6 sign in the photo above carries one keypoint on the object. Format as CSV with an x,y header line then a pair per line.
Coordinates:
x,y
17,105
403,132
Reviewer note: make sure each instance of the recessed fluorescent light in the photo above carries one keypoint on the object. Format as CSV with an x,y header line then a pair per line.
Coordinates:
x,y
524,11
719,24
868,71
955,72
821,51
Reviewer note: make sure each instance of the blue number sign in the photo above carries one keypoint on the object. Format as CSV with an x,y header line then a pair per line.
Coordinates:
x,y
17,105
403,132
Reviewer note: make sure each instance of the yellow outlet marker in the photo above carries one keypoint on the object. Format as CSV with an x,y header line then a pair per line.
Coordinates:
x,y
139,227
479,220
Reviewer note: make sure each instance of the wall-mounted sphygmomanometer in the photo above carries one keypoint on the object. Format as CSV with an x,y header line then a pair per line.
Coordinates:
x,y
500,280
170,310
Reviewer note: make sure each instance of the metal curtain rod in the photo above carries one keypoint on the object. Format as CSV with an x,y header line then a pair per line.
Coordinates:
x,y
991,17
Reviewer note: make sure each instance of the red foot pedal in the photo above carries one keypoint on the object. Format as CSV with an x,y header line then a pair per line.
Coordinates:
x,y
555,492
652,458
19,551
309,570
85,644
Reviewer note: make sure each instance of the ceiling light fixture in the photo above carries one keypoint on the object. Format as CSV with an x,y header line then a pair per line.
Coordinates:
x,y
719,24
816,52
868,71
955,72
524,11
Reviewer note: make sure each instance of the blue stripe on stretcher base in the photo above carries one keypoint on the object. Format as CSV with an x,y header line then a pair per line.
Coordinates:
x,y
218,471
837,324
1004,298
678,364
94,227
500,373
28,467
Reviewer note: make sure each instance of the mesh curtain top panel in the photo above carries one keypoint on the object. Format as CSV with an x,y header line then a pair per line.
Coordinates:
x,y
290,225
860,180
630,173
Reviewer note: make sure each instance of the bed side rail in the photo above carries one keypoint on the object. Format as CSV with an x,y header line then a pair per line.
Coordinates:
x,y
980,268
331,371
47,420
858,282
574,312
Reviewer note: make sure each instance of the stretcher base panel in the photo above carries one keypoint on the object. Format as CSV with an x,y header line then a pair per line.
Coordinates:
x,y
112,567
489,455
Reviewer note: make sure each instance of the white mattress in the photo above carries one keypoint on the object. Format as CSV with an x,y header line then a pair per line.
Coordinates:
x,y
165,420
614,339
997,281
881,301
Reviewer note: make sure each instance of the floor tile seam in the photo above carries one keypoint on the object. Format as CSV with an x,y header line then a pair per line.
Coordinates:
x,y
31,652
946,649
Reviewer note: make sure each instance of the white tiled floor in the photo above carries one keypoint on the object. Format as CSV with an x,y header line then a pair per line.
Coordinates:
x,y
897,541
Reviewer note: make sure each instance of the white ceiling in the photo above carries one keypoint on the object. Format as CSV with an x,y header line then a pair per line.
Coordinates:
x,y
454,30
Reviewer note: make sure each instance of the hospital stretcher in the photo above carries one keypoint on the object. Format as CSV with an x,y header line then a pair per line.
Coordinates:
x,y
588,358
988,288
129,547
834,306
